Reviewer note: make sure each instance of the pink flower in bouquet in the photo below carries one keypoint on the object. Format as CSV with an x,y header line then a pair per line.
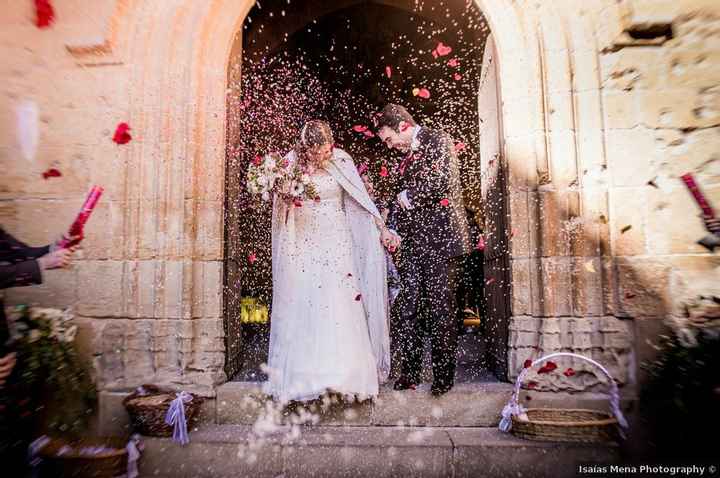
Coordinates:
x,y
453,63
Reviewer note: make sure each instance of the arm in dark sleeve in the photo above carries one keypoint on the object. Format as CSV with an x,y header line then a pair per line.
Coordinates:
x,y
14,248
20,274
432,183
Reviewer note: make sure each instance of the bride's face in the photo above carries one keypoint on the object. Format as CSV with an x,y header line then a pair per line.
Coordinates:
x,y
317,155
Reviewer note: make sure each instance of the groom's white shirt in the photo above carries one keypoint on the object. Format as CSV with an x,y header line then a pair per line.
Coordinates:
x,y
414,145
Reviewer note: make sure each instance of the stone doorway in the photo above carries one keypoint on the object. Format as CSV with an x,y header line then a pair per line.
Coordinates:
x,y
330,52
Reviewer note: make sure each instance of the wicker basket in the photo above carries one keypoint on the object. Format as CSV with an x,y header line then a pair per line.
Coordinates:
x,y
108,463
147,407
565,424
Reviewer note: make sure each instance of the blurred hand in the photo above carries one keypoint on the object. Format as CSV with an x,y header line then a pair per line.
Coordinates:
x,y
55,246
6,365
57,259
368,185
390,240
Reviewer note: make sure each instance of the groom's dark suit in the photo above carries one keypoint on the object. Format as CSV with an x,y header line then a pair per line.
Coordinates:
x,y
435,233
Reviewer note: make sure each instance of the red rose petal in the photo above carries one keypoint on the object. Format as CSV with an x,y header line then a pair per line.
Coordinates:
x,y
548,367
445,202
257,160
252,258
51,173
424,93
453,63
481,244
297,202
569,372
383,171
359,128
443,50
457,77
122,135
368,133
45,13
358,297
459,146
388,71
490,281
527,363
435,53
532,384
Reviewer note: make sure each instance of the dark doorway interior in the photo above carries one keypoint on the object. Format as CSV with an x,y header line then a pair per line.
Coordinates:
x,y
342,67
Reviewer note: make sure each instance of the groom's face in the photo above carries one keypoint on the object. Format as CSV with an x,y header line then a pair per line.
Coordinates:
x,y
394,139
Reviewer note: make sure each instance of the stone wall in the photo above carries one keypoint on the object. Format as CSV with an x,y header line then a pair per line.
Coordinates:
x,y
596,102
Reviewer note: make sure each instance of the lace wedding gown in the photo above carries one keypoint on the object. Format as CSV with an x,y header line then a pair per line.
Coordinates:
x,y
319,336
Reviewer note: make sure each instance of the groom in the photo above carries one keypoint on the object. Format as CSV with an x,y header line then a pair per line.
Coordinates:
x,y
428,213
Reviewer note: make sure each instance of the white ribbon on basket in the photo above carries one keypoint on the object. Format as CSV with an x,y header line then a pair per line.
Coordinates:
x,y
176,417
513,407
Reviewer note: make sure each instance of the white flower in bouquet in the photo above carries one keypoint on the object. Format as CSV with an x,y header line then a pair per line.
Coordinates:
x,y
262,180
265,196
305,178
297,189
269,164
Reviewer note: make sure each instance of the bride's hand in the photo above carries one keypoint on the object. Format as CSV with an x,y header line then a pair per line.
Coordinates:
x,y
389,240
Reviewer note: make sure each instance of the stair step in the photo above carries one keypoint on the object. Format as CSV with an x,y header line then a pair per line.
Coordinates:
x,y
466,405
220,451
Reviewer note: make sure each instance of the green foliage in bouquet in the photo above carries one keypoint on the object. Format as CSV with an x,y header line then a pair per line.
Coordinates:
x,y
52,376
681,401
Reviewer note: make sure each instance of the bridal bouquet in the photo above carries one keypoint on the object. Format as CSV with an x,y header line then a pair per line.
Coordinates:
x,y
272,174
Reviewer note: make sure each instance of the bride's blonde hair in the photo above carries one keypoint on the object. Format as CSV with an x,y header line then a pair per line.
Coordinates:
x,y
314,133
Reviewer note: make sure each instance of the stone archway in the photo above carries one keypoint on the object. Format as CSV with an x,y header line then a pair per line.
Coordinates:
x,y
169,193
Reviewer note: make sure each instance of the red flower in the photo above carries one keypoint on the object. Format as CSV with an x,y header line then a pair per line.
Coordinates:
x,y
457,77
358,297
122,136
459,146
297,202
358,128
392,248
445,202
45,13
453,63
252,258
442,50
257,160
481,244
423,93
51,173
383,171
532,384
388,71
527,363
548,367
569,372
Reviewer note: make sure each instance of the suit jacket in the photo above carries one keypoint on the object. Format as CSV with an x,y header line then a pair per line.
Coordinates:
x,y
437,223
18,267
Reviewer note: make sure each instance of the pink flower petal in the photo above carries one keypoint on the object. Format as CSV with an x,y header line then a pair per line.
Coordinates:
x,y
122,135
457,76
51,173
453,63
442,49
424,93
252,258
359,128
388,71
459,146
445,202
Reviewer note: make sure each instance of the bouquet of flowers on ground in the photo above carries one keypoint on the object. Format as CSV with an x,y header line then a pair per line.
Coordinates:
x,y
272,174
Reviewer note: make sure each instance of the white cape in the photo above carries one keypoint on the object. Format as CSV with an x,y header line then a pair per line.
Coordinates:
x,y
368,253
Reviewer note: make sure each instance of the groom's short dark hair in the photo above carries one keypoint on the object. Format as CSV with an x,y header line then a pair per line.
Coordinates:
x,y
392,115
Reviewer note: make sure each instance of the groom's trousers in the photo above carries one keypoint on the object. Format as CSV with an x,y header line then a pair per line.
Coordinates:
x,y
426,284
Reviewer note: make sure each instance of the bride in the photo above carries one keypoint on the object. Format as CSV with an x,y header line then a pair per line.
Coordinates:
x,y
329,321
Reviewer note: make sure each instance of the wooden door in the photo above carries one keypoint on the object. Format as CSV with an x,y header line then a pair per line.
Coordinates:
x,y
494,193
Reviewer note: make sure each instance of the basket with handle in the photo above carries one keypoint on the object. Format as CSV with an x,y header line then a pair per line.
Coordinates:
x,y
564,425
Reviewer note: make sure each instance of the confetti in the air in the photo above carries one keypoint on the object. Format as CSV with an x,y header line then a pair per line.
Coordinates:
x,y
442,49
51,173
388,71
122,134
44,13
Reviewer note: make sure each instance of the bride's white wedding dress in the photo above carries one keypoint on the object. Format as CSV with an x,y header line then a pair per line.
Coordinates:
x,y
319,337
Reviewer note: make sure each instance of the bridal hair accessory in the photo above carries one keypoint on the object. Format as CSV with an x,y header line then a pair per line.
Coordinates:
x,y
176,418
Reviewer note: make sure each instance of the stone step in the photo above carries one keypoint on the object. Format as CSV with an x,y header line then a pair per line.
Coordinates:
x,y
220,451
466,405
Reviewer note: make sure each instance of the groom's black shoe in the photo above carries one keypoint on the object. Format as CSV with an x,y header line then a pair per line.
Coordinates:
x,y
403,383
438,390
